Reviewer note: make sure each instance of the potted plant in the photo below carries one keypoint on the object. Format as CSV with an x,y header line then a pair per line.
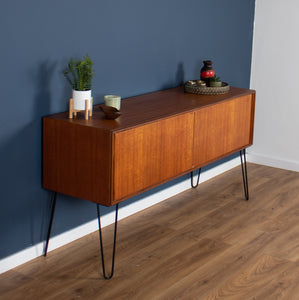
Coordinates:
x,y
79,74
215,81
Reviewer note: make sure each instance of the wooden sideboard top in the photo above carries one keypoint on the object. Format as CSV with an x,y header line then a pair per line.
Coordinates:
x,y
149,107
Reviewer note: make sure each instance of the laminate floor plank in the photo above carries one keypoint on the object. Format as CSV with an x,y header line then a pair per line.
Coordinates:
x,y
167,271
217,271
204,243
283,286
251,279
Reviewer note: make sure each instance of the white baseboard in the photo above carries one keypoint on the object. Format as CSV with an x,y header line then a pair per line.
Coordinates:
x,y
62,239
273,162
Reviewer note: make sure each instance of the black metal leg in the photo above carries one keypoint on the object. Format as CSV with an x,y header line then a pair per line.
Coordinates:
x,y
53,204
198,176
244,173
101,242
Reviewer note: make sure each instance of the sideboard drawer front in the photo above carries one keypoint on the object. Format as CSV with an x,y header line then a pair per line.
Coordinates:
x,y
223,129
150,154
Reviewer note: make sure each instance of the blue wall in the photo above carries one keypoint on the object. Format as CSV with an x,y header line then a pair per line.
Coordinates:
x,y
137,46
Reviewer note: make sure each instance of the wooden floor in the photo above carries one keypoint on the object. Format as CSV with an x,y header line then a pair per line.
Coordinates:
x,y
205,243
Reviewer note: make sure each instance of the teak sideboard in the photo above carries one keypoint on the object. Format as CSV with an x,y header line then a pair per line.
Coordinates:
x,y
158,137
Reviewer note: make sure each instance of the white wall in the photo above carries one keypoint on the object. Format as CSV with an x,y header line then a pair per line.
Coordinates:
x,y
275,77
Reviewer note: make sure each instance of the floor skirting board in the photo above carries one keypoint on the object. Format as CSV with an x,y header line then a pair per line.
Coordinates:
x,y
272,161
60,240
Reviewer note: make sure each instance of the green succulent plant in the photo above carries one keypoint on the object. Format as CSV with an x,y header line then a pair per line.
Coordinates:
x,y
79,73
215,79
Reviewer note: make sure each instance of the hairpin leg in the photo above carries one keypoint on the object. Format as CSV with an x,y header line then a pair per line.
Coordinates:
x,y
244,173
53,204
101,242
198,176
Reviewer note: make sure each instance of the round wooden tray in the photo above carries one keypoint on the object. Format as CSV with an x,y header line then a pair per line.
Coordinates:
x,y
206,90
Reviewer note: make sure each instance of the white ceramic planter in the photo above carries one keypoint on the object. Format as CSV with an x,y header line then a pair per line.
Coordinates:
x,y
79,98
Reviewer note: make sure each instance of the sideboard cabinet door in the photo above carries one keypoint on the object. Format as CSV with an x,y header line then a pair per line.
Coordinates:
x,y
150,154
222,129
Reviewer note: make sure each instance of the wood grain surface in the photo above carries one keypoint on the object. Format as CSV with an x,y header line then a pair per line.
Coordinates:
x,y
151,154
205,243
222,129
151,107
77,160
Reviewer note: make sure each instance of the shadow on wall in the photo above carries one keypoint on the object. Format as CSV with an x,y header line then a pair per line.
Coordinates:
x,y
197,68
180,74
179,78
23,201
42,78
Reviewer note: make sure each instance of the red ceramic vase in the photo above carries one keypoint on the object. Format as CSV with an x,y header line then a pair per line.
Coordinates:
x,y
207,71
